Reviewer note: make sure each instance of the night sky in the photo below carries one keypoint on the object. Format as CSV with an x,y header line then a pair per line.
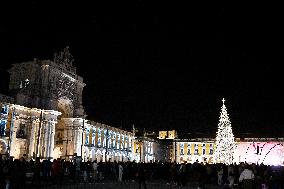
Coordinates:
x,y
160,66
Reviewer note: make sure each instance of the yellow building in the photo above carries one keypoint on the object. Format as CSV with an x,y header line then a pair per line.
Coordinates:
x,y
192,150
167,134
144,149
163,134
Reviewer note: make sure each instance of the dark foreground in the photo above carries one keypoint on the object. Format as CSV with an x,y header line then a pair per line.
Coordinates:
x,y
132,185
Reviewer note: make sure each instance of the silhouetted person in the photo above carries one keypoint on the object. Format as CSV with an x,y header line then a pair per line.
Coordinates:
x,y
37,170
141,175
247,177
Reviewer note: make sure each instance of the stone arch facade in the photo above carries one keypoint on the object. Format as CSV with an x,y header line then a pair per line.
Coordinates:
x,y
47,84
65,106
50,85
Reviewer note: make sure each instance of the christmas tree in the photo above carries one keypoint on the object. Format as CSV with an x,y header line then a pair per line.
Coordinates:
x,y
224,139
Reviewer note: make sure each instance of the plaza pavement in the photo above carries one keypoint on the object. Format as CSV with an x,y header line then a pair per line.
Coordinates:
x,y
115,185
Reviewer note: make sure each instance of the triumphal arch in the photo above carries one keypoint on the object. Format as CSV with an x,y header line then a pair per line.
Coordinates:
x,y
45,117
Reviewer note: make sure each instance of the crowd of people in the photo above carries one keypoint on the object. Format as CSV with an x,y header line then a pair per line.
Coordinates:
x,y
19,173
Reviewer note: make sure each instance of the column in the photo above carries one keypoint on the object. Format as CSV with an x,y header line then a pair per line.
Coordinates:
x,y
42,144
52,133
79,143
32,139
47,139
77,137
13,144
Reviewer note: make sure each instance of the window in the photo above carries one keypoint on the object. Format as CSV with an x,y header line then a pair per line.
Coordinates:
x,y
181,148
109,137
211,149
122,142
130,143
113,140
104,142
118,141
99,142
4,109
21,133
109,144
87,136
105,137
94,136
2,128
188,149
195,149
203,149
99,137
126,142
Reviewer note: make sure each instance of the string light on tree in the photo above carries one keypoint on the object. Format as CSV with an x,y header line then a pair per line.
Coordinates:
x,y
224,139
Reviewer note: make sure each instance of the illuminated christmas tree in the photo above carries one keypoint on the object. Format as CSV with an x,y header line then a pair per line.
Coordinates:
x,y
224,139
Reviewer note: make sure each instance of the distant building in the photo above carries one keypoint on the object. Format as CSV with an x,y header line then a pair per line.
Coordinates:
x,y
193,150
167,134
269,151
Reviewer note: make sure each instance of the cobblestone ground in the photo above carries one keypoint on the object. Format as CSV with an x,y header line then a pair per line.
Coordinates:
x,y
111,185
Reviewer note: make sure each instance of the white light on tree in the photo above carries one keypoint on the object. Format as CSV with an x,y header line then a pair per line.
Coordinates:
x,y
224,138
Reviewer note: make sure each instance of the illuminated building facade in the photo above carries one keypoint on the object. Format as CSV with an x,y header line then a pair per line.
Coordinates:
x,y
27,131
192,150
106,143
49,120
45,118
146,149
167,134
269,151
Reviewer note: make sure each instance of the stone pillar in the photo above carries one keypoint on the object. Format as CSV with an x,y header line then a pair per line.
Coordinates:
x,y
32,139
45,140
49,139
52,133
13,145
42,143
79,147
75,140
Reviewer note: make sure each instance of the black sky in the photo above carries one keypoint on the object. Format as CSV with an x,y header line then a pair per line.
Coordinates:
x,y
159,66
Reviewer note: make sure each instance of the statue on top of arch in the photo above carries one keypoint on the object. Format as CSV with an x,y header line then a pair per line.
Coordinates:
x,y
64,58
